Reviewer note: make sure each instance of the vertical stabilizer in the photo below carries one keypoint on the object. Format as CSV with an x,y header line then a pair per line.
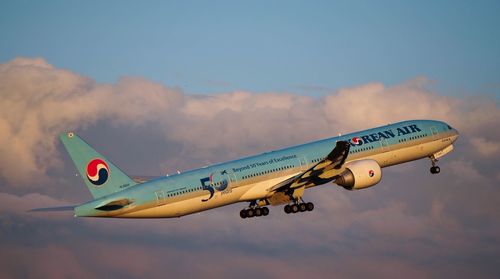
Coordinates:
x,y
100,175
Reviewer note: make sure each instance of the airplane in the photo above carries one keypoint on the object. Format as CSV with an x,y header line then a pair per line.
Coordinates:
x,y
353,161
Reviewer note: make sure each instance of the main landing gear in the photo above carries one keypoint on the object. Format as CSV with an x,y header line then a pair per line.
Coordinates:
x,y
298,207
434,169
254,211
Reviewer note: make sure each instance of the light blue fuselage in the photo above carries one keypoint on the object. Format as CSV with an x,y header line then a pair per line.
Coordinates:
x,y
229,182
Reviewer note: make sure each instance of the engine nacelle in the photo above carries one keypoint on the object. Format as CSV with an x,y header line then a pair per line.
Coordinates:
x,y
360,174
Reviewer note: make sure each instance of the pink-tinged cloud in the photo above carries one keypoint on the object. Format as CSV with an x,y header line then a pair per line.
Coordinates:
x,y
485,147
51,261
20,206
412,223
39,101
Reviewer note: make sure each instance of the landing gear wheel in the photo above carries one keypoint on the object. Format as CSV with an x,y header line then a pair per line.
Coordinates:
x,y
258,212
288,209
250,213
265,211
294,208
302,207
243,214
310,206
435,170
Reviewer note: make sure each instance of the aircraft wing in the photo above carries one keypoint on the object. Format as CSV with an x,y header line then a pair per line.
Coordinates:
x,y
324,171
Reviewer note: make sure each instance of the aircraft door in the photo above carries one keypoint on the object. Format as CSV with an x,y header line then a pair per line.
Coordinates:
x,y
302,162
386,157
384,144
160,197
434,131
231,178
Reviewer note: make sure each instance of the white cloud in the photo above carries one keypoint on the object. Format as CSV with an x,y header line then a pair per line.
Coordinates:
x,y
465,170
19,206
485,147
351,228
40,101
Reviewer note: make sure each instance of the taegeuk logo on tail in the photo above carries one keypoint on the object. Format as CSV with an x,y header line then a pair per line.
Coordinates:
x,y
97,172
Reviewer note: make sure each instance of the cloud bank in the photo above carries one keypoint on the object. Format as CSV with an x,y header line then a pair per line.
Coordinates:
x,y
412,223
39,101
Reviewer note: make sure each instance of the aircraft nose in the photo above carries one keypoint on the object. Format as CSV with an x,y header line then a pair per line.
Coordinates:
x,y
455,135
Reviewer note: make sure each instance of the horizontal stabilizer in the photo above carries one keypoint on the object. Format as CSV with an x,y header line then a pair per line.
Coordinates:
x,y
53,209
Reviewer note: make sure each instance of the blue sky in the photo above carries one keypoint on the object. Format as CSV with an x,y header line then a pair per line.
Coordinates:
x,y
260,46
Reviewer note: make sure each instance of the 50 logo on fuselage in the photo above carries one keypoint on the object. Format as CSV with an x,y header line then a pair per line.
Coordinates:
x,y
97,172
211,184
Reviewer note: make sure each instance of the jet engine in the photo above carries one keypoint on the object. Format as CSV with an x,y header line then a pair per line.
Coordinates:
x,y
360,174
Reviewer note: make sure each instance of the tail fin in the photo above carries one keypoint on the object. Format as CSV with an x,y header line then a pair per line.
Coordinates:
x,y
100,175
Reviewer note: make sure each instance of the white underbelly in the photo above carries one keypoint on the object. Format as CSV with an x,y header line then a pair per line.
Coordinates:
x,y
180,208
404,154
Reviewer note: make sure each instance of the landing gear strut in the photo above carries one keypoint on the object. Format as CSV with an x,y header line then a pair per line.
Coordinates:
x,y
254,211
434,169
297,206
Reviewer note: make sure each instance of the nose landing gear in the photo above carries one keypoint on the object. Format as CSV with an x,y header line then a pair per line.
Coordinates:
x,y
434,169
